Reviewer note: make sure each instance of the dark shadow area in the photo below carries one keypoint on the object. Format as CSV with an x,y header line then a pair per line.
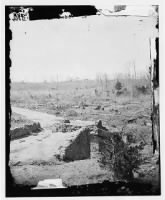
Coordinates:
x,y
8,36
103,189
79,149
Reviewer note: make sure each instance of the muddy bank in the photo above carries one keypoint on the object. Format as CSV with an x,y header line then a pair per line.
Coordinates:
x,y
25,131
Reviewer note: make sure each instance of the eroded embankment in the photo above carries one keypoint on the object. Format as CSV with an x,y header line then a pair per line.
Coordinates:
x,y
50,147
73,156
25,131
79,149
43,156
49,144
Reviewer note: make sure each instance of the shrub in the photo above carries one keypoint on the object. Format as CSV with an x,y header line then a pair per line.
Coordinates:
x,y
118,85
126,160
96,92
142,89
123,91
120,157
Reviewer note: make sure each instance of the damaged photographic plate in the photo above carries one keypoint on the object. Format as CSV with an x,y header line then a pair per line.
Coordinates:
x,y
82,100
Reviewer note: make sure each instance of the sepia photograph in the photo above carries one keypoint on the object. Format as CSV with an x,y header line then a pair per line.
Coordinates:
x,y
82,100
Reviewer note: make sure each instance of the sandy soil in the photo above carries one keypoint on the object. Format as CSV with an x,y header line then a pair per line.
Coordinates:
x,y
45,119
34,158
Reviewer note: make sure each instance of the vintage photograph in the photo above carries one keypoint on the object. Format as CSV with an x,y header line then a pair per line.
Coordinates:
x,y
82,100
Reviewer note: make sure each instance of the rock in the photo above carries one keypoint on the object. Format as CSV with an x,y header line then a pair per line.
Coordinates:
x,y
100,126
148,124
135,174
93,133
97,108
57,113
21,141
124,137
123,188
66,121
76,107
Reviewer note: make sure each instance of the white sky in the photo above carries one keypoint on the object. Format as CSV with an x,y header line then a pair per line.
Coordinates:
x,y
79,47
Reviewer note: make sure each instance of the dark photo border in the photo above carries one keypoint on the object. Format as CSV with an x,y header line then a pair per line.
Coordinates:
x,y
103,189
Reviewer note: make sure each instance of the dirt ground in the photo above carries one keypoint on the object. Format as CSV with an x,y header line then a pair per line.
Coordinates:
x,y
34,158
129,115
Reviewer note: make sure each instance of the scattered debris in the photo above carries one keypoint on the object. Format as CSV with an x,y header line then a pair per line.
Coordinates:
x,y
67,121
98,107
65,127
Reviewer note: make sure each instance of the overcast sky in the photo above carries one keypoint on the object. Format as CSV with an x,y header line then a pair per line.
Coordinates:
x,y
79,47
